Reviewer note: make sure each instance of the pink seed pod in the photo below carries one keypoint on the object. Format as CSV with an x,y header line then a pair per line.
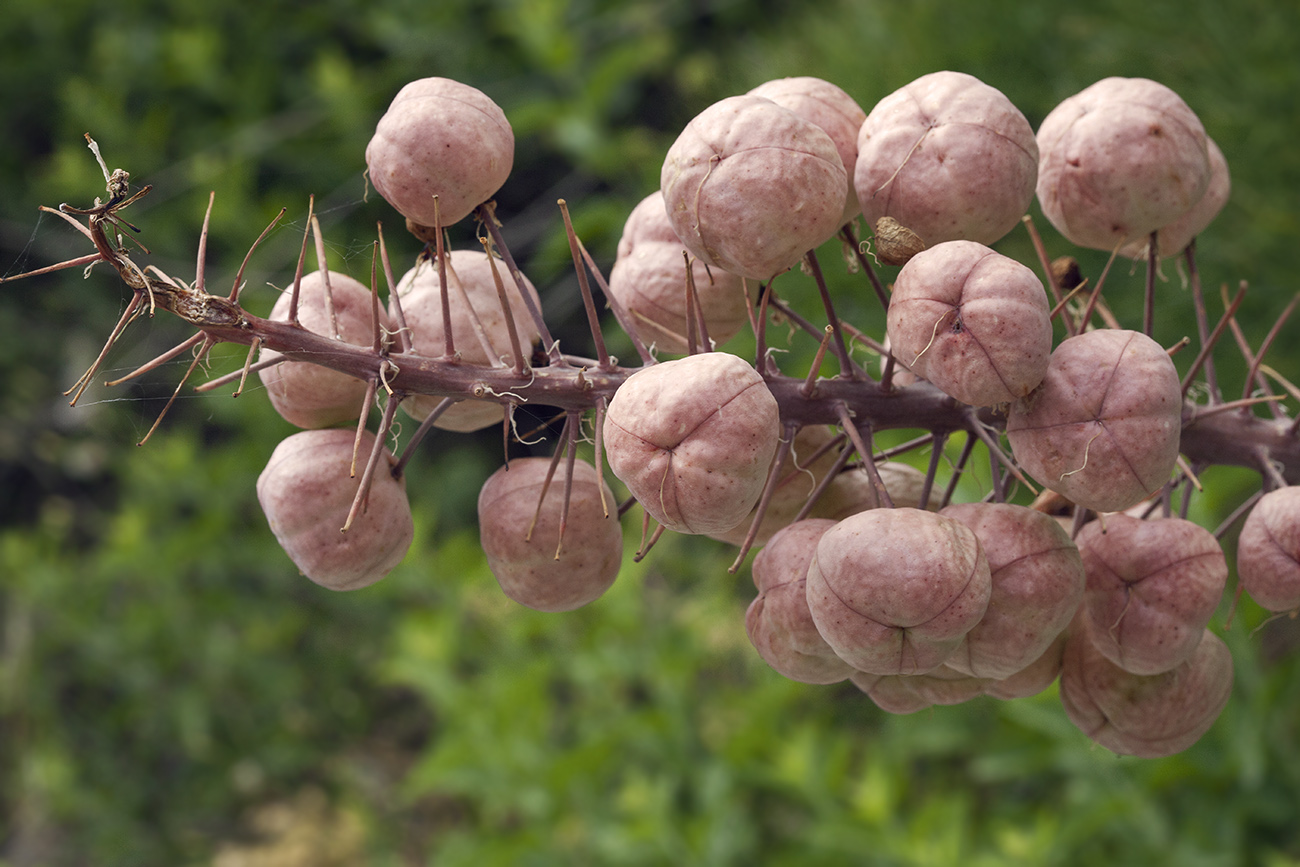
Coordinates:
x,y
852,491
440,138
1038,583
798,477
306,492
533,565
972,321
778,622
909,693
949,157
1268,551
751,186
306,394
479,328
1173,238
1149,716
1152,587
1103,428
1035,677
693,440
649,280
894,590
1119,160
829,107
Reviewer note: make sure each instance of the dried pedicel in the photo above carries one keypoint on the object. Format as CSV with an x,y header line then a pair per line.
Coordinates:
x,y
533,565
1268,551
751,186
894,590
440,138
306,492
649,280
480,330
1119,160
778,622
306,394
972,321
949,157
1104,426
693,439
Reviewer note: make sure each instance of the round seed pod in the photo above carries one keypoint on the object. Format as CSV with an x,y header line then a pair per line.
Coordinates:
x,y
693,439
1149,716
532,563
909,693
751,186
479,327
1038,583
949,157
1173,238
829,107
1104,426
778,622
972,321
1268,551
649,280
1119,160
440,138
306,492
1035,677
1152,587
894,590
852,491
306,394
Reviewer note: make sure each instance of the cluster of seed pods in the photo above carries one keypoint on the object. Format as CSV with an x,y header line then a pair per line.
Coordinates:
x,y
862,575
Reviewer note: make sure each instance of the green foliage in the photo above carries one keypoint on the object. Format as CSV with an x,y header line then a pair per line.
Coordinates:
x,y
164,674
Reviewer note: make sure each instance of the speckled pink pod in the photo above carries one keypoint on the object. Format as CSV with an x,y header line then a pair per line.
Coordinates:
x,y
479,328
1268,551
909,693
1119,160
751,186
693,439
306,394
1038,583
828,106
440,138
1173,238
949,157
1149,716
649,280
894,590
306,492
1152,587
777,621
972,321
530,561
1104,426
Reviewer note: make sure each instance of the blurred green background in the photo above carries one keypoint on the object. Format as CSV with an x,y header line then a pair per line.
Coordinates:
x,y
173,693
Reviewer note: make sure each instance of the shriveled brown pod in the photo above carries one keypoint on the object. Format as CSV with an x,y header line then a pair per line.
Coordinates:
x,y
1038,583
972,321
306,492
829,107
1104,426
1119,160
693,439
306,394
649,280
949,157
1149,716
751,186
1152,587
1268,551
894,590
1173,238
479,328
533,565
777,621
440,138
